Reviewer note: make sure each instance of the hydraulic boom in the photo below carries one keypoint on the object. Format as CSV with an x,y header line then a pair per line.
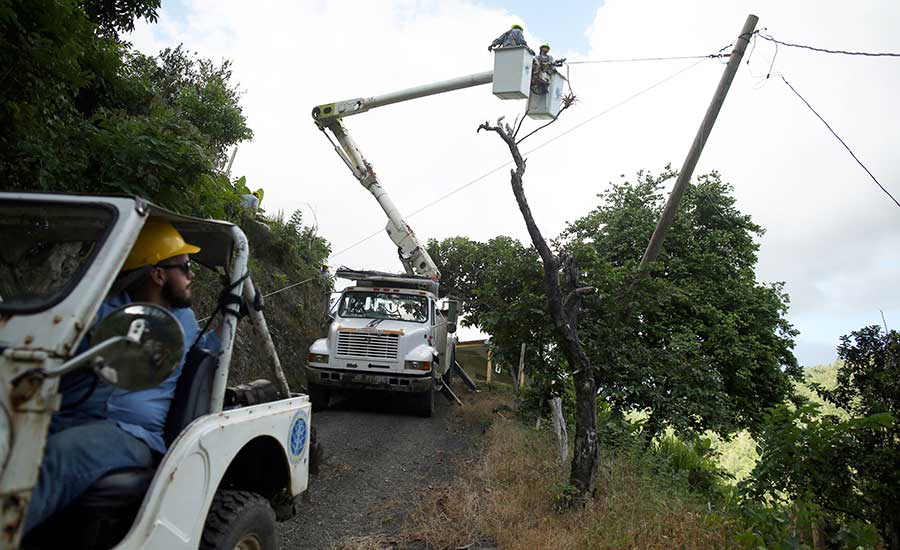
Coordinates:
x,y
328,118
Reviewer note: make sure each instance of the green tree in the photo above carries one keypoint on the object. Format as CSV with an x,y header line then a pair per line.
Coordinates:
x,y
850,466
697,343
498,284
84,112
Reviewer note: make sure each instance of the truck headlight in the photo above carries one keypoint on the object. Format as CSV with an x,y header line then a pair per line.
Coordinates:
x,y
417,365
316,358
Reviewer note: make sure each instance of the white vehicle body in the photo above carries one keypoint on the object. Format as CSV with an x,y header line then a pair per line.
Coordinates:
x,y
219,449
387,334
380,353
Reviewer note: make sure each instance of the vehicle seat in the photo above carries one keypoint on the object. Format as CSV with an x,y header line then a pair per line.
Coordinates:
x,y
102,516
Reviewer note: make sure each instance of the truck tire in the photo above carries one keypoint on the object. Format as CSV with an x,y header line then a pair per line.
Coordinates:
x,y
239,520
318,396
425,403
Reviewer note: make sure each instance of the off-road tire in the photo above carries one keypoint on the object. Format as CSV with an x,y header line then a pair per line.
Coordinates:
x,y
239,520
424,403
319,396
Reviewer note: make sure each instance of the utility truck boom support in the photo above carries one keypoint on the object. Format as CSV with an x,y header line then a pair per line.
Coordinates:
x,y
388,332
328,117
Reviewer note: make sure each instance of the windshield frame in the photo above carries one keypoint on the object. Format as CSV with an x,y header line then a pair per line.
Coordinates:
x,y
373,293
65,290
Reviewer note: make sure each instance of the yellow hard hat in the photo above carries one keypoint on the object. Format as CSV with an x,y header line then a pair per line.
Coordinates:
x,y
545,46
517,26
259,194
158,241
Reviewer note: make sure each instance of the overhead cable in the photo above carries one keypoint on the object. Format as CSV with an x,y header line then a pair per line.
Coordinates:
x,y
537,147
826,50
508,163
637,59
847,147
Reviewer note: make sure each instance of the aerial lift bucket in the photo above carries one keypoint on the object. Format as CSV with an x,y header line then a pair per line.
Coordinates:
x,y
512,72
547,105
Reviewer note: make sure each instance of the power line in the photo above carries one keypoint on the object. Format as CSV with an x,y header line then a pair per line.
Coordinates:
x,y
637,59
825,50
508,163
847,147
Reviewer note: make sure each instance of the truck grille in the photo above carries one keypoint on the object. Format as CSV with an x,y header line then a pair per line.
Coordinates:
x,y
381,346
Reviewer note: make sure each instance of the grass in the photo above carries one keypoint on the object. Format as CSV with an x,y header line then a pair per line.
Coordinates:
x,y
511,497
510,500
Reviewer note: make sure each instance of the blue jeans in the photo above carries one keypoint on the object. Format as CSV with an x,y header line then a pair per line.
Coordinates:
x,y
80,451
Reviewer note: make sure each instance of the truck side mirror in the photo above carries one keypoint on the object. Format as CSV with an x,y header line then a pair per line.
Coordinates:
x,y
137,346
452,314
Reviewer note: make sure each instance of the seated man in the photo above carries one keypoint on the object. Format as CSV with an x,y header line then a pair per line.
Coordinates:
x,y
101,428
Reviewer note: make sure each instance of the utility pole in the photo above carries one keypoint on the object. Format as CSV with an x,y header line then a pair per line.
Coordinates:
x,y
687,170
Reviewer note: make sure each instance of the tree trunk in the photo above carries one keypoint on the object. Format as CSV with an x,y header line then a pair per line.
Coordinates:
x,y
564,313
585,461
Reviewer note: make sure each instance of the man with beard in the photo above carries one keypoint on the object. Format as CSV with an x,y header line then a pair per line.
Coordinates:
x,y
100,428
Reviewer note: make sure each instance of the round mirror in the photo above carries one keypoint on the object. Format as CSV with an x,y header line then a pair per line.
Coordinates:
x,y
148,346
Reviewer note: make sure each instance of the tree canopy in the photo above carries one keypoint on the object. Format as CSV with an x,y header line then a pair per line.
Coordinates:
x,y
698,343
82,111
499,286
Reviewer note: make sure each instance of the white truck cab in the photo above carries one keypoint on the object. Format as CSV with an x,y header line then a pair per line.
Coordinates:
x,y
387,334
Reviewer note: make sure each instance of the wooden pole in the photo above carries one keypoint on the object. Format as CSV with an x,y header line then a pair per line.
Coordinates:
x,y
687,170
559,428
490,367
522,367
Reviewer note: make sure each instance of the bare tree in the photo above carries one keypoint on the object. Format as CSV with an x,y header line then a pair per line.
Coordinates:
x,y
564,311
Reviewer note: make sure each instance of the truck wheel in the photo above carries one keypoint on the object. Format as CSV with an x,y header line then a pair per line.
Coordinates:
x,y
425,403
318,396
239,520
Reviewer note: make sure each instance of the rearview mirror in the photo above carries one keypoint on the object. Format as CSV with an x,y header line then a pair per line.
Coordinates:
x,y
142,345
452,314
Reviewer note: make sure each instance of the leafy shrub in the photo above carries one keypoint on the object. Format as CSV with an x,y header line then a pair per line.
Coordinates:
x,y
845,466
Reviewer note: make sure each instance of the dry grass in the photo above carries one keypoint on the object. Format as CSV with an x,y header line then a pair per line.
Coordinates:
x,y
507,501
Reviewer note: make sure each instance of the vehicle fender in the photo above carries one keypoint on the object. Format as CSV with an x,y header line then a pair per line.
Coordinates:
x,y
422,352
174,510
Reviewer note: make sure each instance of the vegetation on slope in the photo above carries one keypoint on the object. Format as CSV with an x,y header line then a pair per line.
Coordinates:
x,y
83,111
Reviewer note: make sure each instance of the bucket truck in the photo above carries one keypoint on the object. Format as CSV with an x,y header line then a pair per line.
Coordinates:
x,y
388,332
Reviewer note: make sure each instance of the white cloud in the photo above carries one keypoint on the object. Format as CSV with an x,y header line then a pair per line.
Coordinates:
x,y
830,231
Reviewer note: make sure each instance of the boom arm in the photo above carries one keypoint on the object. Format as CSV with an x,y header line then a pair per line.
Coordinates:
x,y
328,118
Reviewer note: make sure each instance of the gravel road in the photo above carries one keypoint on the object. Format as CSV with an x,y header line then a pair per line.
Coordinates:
x,y
378,457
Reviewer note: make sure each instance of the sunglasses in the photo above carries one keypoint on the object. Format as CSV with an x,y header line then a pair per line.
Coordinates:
x,y
185,267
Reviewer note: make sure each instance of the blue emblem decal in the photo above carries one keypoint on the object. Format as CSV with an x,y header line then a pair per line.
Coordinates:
x,y
297,437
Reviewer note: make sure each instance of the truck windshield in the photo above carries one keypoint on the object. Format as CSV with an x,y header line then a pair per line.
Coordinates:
x,y
384,305
46,248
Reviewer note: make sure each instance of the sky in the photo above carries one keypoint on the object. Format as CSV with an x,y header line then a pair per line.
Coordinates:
x,y
830,235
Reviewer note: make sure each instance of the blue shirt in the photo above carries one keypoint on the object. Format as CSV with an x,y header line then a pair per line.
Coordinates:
x,y
140,413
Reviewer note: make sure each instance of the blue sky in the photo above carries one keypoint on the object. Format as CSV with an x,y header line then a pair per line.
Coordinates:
x,y
563,25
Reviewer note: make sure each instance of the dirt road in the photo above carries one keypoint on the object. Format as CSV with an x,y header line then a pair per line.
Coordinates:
x,y
378,457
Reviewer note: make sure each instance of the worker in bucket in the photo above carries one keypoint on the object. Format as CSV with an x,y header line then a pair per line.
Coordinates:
x,y
542,70
512,37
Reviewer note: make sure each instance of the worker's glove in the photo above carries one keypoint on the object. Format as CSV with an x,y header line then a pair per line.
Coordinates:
x,y
490,48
